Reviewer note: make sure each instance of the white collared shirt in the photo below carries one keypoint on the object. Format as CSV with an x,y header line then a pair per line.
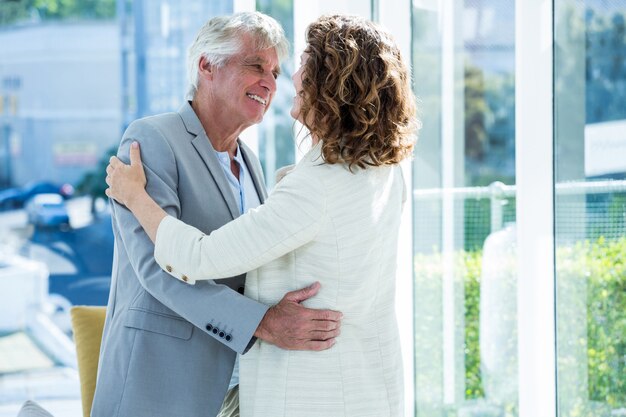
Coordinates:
x,y
247,198
243,188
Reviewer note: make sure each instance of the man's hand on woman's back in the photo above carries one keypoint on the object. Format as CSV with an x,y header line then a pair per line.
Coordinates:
x,y
291,326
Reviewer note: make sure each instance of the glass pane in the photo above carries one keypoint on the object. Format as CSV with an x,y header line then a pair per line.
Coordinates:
x,y
276,141
155,38
464,209
72,76
590,205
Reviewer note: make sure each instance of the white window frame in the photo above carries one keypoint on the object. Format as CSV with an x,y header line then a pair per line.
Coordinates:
x,y
534,200
534,168
395,16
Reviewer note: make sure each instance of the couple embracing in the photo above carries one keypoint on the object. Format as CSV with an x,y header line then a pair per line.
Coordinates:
x,y
225,301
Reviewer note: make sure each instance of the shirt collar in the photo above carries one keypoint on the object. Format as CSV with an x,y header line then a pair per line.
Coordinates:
x,y
224,157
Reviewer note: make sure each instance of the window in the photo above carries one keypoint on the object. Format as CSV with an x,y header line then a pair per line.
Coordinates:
x,y
590,206
464,209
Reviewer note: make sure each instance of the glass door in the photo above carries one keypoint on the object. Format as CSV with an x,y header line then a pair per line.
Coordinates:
x,y
590,206
464,231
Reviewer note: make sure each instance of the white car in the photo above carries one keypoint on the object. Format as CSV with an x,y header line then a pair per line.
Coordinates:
x,y
47,210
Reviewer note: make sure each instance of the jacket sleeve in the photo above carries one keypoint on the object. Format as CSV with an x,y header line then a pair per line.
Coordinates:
x,y
290,217
199,305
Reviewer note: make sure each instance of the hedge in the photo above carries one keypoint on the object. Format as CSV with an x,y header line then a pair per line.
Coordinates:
x,y
591,327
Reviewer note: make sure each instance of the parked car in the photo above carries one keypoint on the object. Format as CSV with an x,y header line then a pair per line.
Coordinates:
x,y
15,198
47,210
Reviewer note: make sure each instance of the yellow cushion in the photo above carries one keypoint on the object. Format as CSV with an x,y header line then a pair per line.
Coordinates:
x,y
87,324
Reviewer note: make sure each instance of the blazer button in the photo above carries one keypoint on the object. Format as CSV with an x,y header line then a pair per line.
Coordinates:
x,y
184,278
240,290
215,330
222,334
209,327
228,338
168,268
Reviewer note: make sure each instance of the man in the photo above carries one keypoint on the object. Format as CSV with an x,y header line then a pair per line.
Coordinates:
x,y
169,349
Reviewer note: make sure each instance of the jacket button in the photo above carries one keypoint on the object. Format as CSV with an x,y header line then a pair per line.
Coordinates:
x,y
228,338
240,290
168,268
209,327
184,278
215,330
222,334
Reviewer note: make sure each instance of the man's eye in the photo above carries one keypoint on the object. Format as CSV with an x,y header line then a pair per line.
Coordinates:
x,y
275,74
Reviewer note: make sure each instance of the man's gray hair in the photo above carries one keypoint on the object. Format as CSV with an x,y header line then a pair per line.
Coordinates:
x,y
221,38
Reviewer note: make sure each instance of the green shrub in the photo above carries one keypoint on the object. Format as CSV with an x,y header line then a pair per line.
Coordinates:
x,y
601,265
591,285
473,268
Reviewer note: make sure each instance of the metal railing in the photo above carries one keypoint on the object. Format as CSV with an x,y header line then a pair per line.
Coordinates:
x,y
498,193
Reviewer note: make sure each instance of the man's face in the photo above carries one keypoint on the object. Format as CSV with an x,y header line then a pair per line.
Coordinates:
x,y
244,87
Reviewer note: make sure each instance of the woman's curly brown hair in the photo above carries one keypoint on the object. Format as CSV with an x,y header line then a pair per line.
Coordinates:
x,y
356,93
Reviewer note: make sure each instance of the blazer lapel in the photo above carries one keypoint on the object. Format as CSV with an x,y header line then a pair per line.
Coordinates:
x,y
207,153
253,168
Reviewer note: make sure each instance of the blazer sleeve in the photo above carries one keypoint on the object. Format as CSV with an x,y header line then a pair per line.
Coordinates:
x,y
290,217
201,304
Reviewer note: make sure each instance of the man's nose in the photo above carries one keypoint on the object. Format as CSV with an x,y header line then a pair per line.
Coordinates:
x,y
268,81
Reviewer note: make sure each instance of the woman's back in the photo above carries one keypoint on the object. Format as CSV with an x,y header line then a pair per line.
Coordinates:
x,y
353,256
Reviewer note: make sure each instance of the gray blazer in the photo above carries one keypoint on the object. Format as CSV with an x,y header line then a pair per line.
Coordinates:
x,y
168,348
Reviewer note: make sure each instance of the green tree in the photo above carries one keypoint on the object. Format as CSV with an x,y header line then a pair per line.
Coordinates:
x,y
12,11
93,183
476,113
605,73
489,104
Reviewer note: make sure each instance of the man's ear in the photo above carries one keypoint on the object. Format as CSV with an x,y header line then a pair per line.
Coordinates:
x,y
205,68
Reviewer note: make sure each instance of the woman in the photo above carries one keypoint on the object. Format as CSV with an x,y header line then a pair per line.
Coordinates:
x,y
333,218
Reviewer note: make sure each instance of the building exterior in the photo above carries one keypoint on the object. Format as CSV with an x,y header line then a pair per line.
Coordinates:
x,y
60,92
155,39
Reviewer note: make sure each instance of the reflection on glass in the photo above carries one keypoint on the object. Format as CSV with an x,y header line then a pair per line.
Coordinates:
x,y
464,210
590,205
